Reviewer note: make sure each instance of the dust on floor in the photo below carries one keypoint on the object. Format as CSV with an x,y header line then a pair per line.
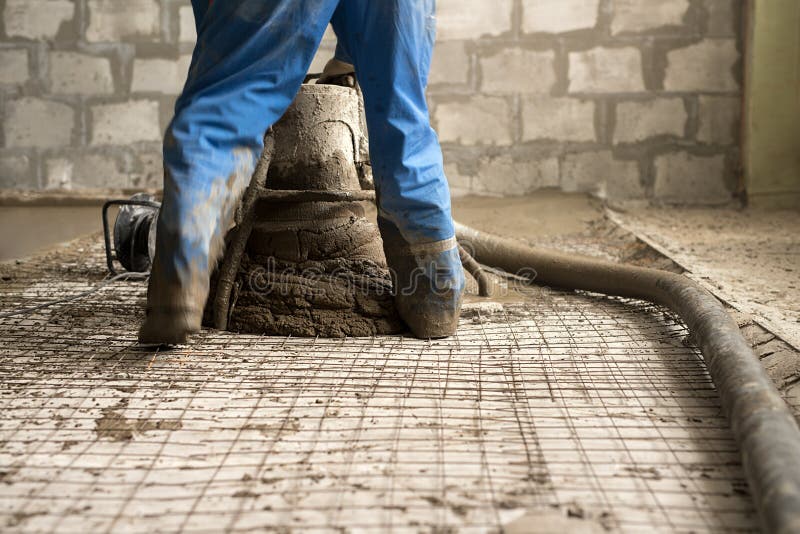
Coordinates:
x,y
749,258
549,411
592,414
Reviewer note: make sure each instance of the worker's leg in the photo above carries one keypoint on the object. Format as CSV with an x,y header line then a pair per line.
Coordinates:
x,y
249,61
390,43
200,8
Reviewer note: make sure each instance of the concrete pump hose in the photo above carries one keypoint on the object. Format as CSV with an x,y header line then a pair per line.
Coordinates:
x,y
764,428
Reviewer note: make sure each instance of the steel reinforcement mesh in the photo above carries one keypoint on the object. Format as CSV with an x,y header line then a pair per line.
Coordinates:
x,y
548,412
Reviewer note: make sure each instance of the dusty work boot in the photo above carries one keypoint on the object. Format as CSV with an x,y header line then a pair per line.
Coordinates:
x,y
174,305
428,282
189,242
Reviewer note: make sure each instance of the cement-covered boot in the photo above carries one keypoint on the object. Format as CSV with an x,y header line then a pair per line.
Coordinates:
x,y
189,241
174,305
428,282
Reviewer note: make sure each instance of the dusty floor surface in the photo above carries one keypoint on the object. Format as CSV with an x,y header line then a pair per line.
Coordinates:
x,y
27,230
550,411
749,258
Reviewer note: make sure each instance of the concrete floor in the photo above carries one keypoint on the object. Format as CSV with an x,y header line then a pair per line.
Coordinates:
x,y
550,411
27,230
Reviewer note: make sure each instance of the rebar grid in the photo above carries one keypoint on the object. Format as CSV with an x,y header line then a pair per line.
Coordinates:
x,y
594,410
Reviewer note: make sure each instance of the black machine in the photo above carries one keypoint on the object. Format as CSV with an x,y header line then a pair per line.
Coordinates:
x,y
134,233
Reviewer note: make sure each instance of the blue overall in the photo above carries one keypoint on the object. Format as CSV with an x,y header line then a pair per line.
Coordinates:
x,y
249,62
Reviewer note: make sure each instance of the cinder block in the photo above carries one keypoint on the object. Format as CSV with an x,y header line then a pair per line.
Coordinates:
x,y
643,15
80,74
705,66
34,122
480,120
81,170
687,179
14,66
471,19
460,184
606,70
625,186
719,119
329,37
558,16
450,63
126,122
559,119
638,121
187,29
36,19
149,172
515,70
591,172
166,76
502,176
114,20
321,59
722,17
15,172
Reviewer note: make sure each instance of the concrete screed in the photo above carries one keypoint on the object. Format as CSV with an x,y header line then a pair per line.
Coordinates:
x,y
548,411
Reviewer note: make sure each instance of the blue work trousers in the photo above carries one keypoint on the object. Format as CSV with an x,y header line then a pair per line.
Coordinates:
x,y
249,62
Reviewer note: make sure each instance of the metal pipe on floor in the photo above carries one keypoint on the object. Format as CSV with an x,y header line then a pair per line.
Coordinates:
x,y
764,428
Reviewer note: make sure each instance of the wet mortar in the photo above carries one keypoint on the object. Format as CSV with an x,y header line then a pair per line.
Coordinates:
x,y
313,268
550,410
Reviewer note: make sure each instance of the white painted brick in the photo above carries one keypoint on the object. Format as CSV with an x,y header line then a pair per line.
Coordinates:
x,y
705,66
34,122
686,179
187,29
36,19
470,19
450,63
560,119
126,122
719,120
460,184
643,15
590,172
480,120
13,66
15,172
558,16
606,70
80,74
166,76
84,171
638,121
115,20
502,176
514,70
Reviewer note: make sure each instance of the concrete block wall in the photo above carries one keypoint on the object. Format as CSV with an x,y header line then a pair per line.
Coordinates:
x,y
626,99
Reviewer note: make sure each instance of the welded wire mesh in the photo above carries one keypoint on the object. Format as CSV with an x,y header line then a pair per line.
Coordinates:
x,y
547,412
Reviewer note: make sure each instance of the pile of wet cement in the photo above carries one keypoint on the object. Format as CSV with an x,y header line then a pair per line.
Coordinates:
x,y
313,276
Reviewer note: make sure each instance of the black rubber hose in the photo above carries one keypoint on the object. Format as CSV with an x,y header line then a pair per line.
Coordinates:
x,y
233,257
763,426
485,284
